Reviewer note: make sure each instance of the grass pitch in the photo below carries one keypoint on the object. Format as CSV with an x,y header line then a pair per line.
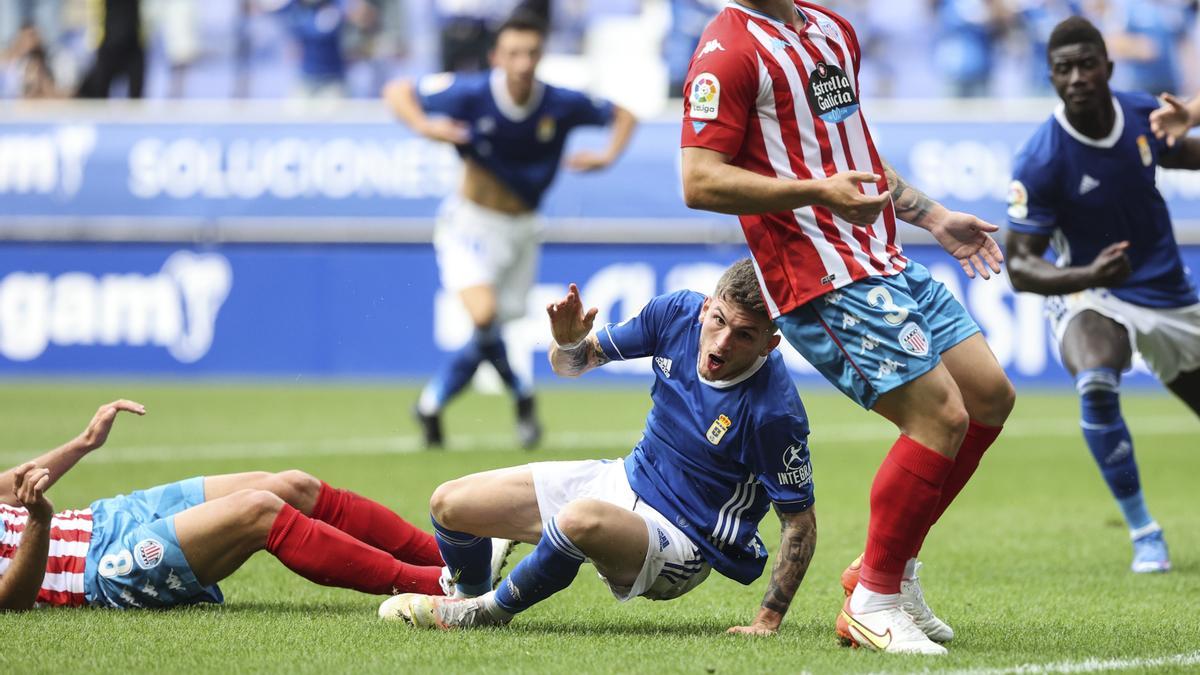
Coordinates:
x,y
1030,565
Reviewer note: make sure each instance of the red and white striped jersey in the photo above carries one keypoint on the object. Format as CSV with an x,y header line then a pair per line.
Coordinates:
x,y
785,103
70,534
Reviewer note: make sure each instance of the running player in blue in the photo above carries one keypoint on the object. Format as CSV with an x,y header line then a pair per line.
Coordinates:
x,y
1084,184
510,130
725,440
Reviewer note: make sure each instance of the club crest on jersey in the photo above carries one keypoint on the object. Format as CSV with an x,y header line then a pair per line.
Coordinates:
x,y
705,97
546,129
913,340
1144,150
829,28
148,553
717,431
830,94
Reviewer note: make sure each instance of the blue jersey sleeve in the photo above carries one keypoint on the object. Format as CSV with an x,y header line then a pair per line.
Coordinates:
x,y
779,457
445,94
639,336
1031,200
584,110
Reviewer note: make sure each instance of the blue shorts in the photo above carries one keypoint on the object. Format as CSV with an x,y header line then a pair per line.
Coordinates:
x,y
878,333
134,559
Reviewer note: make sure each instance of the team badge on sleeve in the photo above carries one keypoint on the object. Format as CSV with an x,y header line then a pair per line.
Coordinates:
x,y
1144,150
705,97
1018,200
798,468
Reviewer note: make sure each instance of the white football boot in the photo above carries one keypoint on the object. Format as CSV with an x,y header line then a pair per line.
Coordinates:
x,y
912,601
432,611
887,630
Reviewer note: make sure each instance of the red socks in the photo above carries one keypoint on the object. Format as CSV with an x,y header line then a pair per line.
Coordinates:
x,y
904,496
978,439
328,556
376,525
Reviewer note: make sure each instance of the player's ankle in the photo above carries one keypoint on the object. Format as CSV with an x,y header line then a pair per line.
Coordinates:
x,y
864,600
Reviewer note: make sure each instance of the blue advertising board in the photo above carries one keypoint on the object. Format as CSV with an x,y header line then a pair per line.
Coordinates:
x,y
358,311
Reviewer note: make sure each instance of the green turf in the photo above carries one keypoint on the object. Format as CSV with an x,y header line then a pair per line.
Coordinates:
x,y
1030,566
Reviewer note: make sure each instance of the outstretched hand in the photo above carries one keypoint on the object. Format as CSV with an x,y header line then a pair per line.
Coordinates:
x,y
755,628
97,430
967,238
568,322
29,487
588,160
1171,121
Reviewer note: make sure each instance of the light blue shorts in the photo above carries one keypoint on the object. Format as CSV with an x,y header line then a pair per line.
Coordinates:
x,y
134,559
878,333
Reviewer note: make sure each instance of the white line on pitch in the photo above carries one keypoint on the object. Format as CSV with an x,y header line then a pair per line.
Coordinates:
x,y
1087,666
618,441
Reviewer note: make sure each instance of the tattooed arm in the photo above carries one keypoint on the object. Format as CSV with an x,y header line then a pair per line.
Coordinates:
x,y
796,546
962,235
574,351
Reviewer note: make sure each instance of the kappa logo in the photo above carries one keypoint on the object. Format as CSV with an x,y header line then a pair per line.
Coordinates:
x,y
833,297
717,431
664,364
149,590
913,340
148,553
710,47
888,367
663,542
173,581
849,320
1088,184
869,342
129,599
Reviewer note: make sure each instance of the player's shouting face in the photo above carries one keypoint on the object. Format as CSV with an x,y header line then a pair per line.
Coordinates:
x,y
732,339
1079,73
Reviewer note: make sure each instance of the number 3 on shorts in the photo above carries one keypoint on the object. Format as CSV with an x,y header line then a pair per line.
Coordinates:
x,y
116,565
880,297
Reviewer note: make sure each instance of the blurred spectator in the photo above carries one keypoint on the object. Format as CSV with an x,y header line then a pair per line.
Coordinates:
x,y
317,26
965,50
120,53
688,20
1038,19
27,71
468,29
175,22
1146,38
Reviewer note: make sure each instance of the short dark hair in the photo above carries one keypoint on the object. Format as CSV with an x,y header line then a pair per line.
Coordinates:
x,y
524,19
1076,30
739,285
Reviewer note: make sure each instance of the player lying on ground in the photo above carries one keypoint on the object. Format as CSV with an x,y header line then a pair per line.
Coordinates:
x,y
725,439
510,129
170,545
773,132
1085,183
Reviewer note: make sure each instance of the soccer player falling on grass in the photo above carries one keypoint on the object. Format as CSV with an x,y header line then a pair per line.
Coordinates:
x,y
510,129
170,545
773,132
1085,184
725,439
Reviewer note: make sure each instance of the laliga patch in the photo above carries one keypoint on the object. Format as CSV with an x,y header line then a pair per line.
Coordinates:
x,y
1144,150
913,340
1018,200
717,431
705,97
148,553
830,94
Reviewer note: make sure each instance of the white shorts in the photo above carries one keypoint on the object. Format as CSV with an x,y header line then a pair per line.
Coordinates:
x,y
673,564
1168,340
477,246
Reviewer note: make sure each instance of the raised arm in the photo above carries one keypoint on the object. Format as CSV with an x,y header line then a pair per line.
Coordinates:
x,y
623,124
20,583
401,98
1030,272
1174,118
962,235
796,546
60,460
574,350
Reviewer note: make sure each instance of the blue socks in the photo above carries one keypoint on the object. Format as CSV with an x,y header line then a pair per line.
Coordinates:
x,y
1109,440
468,557
550,568
486,344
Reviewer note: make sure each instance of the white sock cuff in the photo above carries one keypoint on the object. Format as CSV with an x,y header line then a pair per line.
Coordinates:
x,y
1145,530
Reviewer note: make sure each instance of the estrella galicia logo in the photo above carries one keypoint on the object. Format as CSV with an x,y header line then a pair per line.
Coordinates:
x,y
830,95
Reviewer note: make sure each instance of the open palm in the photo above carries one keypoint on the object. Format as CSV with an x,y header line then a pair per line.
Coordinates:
x,y
967,238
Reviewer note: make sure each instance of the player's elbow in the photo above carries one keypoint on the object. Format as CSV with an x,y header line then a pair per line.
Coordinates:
x,y
696,192
1018,276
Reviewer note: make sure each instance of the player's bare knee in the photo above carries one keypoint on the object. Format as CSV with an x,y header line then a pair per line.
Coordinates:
x,y
257,509
581,519
446,505
298,488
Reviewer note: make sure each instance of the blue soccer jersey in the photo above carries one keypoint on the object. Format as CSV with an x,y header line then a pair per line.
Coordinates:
x,y
521,145
714,455
1087,194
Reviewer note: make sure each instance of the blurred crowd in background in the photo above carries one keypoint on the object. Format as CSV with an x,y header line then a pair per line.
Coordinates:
x,y
348,48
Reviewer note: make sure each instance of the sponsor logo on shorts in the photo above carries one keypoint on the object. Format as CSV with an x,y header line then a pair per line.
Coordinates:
x,y
705,97
830,94
717,431
913,340
148,553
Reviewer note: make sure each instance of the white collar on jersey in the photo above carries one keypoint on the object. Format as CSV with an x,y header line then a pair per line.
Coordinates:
x,y
1118,128
764,15
725,384
504,100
